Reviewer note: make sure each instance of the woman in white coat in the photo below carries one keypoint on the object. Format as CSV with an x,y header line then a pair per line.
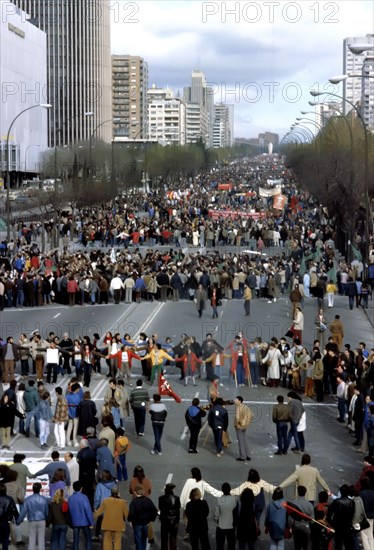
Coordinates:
x,y
273,359
301,427
196,481
298,324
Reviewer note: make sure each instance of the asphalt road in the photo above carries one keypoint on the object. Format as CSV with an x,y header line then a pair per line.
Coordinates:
x,y
327,441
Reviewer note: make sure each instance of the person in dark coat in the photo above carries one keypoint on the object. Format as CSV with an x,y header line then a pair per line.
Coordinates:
x,y
197,512
246,527
351,292
218,420
29,292
200,299
7,413
8,513
105,459
87,414
86,459
340,516
169,506
142,511
359,415
193,417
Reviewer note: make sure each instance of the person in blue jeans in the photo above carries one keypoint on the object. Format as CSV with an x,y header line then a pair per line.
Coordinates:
x,y
158,414
296,410
218,420
142,511
121,447
81,517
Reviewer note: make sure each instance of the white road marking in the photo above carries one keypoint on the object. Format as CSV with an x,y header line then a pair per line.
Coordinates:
x,y
146,324
127,311
197,394
261,402
98,389
57,315
184,433
168,479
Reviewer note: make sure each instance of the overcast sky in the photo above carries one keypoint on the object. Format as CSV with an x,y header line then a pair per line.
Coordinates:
x,y
264,57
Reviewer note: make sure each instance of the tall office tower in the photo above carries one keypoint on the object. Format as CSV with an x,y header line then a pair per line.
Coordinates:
x,y
78,66
129,88
223,127
166,117
198,87
367,92
198,113
352,65
211,114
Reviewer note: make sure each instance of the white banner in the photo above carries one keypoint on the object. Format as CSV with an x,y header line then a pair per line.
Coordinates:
x,y
269,192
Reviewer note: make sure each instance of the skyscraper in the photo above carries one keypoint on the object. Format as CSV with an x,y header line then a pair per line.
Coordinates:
x,y
129,86
367,92
78,66
198,99
352,65
223,127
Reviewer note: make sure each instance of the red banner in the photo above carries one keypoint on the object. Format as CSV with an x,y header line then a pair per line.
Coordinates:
x,y
224,186
279,202
164,388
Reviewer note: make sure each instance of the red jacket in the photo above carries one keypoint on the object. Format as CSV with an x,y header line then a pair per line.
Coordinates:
x,y
130,354
184,358
72,286
234,358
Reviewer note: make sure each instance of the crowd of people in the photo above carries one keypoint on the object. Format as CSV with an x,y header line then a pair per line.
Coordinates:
x,y
103,436
313,518
212,249
207,235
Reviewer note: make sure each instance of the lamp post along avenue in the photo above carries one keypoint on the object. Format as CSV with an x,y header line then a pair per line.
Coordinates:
x,y
45,106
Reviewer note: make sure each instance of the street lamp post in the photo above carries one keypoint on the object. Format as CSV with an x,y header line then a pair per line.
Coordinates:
x,y
87,114
91,138
319,125
46,106
305,131
314,93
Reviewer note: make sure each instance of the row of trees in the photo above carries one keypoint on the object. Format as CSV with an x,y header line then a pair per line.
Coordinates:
x,y
333,168
106,170
84,176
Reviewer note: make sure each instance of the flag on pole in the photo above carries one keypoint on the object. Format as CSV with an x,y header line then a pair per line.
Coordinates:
x,y
295,512
164,388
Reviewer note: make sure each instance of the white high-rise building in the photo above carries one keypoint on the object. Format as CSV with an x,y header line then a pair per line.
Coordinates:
x,y
166,117
78,66
352,65
325,111
367,92
23,67
223,127
198,99
210,109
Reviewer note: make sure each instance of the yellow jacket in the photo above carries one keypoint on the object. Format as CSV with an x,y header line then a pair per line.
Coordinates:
x,y
157,356
331,288
115,512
